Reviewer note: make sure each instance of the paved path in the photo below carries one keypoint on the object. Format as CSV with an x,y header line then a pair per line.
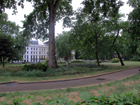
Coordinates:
x,y
10,87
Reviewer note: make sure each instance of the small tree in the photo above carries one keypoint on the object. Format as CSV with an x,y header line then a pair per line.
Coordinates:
x,y
6,47
64,46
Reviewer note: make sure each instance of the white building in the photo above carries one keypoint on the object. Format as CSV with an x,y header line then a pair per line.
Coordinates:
x,y
35,52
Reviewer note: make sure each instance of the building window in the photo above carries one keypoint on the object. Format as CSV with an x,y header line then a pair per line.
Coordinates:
x,y
27,52
36,52
27,48
36,48
44,49
31,52
25,56
31,48
39,52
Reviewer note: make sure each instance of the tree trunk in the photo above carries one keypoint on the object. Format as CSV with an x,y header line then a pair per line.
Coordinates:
x,y
117,51
52,59
96,47
98,63
2,62
120,58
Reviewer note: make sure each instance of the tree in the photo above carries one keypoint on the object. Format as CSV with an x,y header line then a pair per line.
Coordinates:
x,y
12,41
115,26
42,20
6,47
91,27
64,46
134,27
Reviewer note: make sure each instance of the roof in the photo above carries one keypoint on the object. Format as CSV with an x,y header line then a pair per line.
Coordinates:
x,y
34,42
46,42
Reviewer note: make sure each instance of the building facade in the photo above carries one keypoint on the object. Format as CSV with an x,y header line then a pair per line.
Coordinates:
x,y
35,52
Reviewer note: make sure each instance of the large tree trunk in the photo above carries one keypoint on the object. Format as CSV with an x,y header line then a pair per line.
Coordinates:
x,y
120,58
52,59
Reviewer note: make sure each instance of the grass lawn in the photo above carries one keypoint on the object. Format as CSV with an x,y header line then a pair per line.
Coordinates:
x,y
109,67
116,87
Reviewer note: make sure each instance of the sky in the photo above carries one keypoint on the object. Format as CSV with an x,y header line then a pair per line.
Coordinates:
x,y
58,28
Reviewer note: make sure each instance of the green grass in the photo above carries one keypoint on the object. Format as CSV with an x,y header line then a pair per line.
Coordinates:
x,y
110,67
116,87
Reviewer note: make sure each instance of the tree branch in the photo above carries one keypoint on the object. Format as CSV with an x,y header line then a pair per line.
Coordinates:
x,y
56,4
116,36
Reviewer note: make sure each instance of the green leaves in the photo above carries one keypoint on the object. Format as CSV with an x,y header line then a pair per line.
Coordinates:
x,y
131,98
64,46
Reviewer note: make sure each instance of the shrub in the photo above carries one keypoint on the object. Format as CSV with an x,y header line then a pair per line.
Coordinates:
x,y
46,61
33,73
135,59
115,60
100,61
82,65
38,66
61,62
78,61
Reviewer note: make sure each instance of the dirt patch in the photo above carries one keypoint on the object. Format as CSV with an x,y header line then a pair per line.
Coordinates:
x,y
2,99
75,96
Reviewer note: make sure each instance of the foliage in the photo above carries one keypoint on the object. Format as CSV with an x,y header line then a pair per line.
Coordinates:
x,y
37,66
62,42
61,62
6,47
12,41
78,61
46,61
33,73
99,61
133,28
131,98
114,60
136,58
41,22
90,30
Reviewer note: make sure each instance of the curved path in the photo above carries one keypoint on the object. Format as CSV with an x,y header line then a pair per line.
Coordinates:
x,y
10,87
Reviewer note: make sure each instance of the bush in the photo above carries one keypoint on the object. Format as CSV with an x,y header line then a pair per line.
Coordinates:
x,y
82,65
61,62
46,61
135,59
33,73
78,61
100,61
38,66
115,60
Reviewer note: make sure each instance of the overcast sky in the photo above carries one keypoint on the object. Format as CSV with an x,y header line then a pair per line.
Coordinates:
x,y
76,4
